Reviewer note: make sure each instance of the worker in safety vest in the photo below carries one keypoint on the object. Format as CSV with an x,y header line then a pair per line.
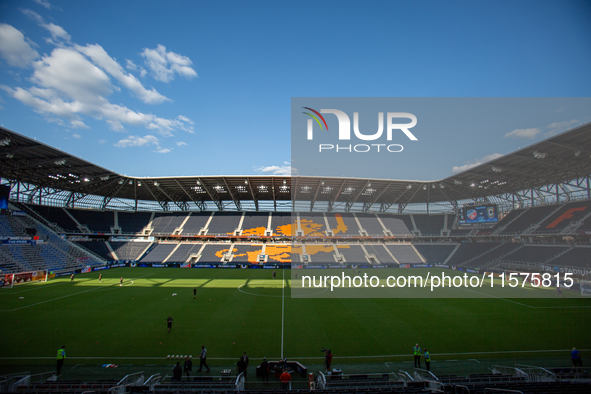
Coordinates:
x,y
427,359
61,356
417,353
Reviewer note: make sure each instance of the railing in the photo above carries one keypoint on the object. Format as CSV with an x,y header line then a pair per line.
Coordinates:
x,y
133,379
240,382
537,374
464,389
136,379
422,375
405,376
153,380
321,381
489,390
513,371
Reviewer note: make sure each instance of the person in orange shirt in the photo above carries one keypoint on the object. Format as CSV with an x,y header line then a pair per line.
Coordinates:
x,y
285,379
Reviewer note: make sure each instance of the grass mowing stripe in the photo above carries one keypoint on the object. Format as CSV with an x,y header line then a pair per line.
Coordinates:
x,y
67,295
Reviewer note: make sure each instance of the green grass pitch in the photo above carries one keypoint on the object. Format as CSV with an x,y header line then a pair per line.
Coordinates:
x,y
246,310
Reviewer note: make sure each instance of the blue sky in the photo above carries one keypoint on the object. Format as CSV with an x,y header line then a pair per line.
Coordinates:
x,y
148,88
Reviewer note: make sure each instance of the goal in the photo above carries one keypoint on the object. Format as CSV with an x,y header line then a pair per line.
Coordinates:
x,y
24,277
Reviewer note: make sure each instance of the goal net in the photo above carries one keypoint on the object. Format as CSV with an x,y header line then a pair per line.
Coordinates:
x,y
23,277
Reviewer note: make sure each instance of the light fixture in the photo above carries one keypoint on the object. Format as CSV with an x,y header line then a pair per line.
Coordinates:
x,y
577,153
5,142
156,183
9,155
60,162
424,187
86,180
496,169
408,186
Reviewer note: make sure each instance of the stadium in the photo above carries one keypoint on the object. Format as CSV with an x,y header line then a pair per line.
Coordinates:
x,y
221,255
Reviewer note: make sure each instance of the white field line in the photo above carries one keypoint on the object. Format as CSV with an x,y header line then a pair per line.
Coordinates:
x,y
303,358
37,287
69,295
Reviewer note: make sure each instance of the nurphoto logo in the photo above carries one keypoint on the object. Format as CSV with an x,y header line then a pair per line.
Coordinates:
x,y
344,131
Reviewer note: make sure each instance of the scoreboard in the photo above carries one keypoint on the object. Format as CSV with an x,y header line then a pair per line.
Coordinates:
x,y
478,214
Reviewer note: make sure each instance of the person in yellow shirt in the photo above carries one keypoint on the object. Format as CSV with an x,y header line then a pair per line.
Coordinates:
x,y
61,356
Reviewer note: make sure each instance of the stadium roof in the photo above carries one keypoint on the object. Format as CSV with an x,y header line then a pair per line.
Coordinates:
x,y
546,166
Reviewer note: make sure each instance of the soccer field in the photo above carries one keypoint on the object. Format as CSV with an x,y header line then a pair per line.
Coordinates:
x,y
247,310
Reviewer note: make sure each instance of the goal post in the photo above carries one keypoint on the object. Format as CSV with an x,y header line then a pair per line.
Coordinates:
x,y
25,277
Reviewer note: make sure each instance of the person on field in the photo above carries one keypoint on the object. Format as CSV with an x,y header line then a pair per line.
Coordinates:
x,y
575,357
285,379
246,362
177,372
194,293
203,359
188,366
264,369
61,357
169,323
417,353
427,359
101,278
328,359
241,367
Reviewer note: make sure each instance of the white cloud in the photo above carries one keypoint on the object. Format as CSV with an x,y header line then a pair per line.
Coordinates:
x,y
181,143
78,124
558,127
57,32
70,85
524,133
275,170
101,58
14,49
130,65
163,64
134,140
475,163
78,136
159,149
76,81
44,3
